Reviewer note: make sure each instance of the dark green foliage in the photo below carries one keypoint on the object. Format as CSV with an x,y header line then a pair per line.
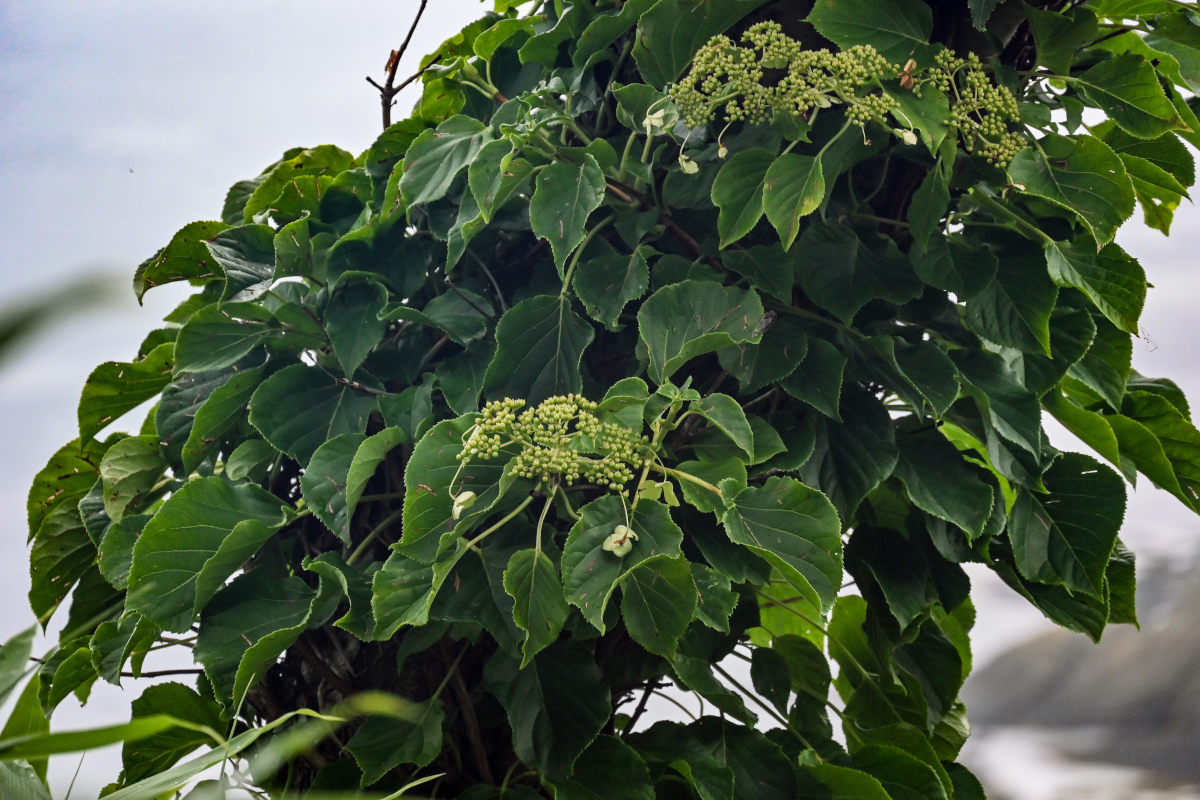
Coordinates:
x,y
549,401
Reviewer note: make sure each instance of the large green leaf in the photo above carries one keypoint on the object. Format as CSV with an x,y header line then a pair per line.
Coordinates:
x,y
248,626
115,387
606,284
246,256
437,156
664,47
495,175
564,195
1172,437
608,768
539,609
220,414
130,470
782,350
1113,279
793,188
941,482
795,528
352,319
1013,309
658,601
684,320
539,343
591,573
556,706
1066,537
300,407
853,456
187,532
218,336
818,379
382,743
147,756
898,30
338,473
1126,88
842,269
185,258
1082,175
738,193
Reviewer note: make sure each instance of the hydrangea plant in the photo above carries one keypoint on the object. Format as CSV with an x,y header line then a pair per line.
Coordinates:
x,y
643,360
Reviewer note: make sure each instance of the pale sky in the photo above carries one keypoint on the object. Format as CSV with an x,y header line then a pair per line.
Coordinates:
x,y
122,122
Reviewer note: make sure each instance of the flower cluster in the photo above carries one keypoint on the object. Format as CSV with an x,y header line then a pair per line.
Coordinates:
x,y
771,75
979,110
563,436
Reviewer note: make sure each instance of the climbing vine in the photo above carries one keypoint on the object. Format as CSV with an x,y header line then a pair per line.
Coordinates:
x,y
643,364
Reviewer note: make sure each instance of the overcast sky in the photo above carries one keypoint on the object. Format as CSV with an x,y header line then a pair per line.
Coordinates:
x,y
121,122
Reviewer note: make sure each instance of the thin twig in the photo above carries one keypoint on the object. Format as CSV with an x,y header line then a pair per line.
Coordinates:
x,y
389,89
651,685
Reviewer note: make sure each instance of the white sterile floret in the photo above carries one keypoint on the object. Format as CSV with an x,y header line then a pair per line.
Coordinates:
x,y
620,541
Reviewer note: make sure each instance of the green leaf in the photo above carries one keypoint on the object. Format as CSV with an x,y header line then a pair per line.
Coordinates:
x,y
539,343
1011,408
153,754
767,267
928,206
564,195
818,379
250,624
591,573
796,529
556,706
460,377
738,193
1176,35
1175,434
495,175
833,781
300,407
716,599
664,47
842,270
1060,37
437,156
902,775
461,313
382,743
540,609
1067,537
352,319
322,160
185,258
608,768
658,600
1014,308
896,29
1112,279
1080,174
178,543
793,188
605,285
246,256
14,660
606,28
714,472
115,387
727,416
950,263
428,500
130,471
942,483
1126,88
488,41
18,779
219,336
782,350
684,320
981,11
853,456
220,414
338,473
